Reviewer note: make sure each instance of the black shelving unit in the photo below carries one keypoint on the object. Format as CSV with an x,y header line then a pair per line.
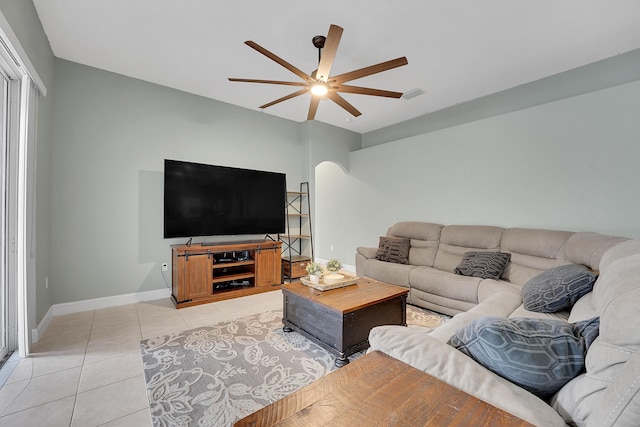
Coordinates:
x,y
297,246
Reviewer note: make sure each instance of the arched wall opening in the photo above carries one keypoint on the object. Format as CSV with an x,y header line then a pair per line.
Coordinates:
x,y
332,202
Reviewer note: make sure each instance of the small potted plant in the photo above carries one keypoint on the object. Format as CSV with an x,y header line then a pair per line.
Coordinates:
x,y
333,265
314,269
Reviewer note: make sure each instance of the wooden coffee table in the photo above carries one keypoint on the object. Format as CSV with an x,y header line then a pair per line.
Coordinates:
x,y
340,319
377,389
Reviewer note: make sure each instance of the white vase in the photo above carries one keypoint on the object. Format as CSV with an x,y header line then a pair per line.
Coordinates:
x,y
314,278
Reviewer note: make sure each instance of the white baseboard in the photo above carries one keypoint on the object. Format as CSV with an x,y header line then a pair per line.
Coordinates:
x,y
38,332
95,304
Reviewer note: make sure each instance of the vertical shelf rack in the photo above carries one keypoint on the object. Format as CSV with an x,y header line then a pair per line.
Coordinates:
x,y
297,242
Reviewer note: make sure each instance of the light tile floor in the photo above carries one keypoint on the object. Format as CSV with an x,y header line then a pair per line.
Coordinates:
x,y
87,368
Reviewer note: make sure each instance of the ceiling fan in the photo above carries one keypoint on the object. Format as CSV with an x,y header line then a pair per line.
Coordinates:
x,y
319,83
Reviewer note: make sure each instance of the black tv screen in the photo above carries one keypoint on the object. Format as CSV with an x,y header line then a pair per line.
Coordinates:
x,y
209,200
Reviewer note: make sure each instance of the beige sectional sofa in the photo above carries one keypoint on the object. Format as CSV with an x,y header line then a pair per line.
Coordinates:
x,y
607,393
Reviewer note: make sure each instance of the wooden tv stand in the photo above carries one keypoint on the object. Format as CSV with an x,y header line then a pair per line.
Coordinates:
x,y
215,272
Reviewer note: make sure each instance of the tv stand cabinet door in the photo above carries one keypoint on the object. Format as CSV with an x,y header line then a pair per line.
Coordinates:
x,y
268,265
198,276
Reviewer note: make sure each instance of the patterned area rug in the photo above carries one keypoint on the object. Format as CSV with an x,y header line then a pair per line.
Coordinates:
x,y
213,376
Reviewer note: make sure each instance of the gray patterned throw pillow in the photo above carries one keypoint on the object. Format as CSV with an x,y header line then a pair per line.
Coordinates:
x,y
539,355
393,249
558,288
487,265
589,330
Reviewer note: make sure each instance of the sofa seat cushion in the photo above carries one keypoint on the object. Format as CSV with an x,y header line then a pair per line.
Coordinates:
x,y
483,264
436,358
523,312
558,288
394,274
437,303
539,355
501,303
445,284
489,287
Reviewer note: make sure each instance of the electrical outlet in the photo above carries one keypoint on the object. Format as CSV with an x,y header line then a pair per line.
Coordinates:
x,y
165,267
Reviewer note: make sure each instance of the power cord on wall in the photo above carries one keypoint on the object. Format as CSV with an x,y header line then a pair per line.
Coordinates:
x,y
165,279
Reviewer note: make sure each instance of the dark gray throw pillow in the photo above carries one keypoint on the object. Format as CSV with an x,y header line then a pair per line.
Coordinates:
x,y
487,265
589,330
539,355
558,288
393,249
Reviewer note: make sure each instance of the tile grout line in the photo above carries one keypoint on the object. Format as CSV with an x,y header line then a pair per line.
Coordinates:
x,y
189,318
84,358
146,391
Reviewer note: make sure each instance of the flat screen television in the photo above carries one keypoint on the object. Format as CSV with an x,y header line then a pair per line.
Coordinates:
x,y
209,200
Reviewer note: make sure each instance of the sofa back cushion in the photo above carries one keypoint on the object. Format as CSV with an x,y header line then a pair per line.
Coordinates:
x,y
619,251
424,238
587,248
615,299
455,240
532,252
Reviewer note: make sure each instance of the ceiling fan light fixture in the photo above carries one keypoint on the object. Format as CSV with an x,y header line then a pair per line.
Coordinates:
x,y
321,83
319,89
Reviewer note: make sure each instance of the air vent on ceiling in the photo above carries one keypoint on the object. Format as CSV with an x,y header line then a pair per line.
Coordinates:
x,y
412,93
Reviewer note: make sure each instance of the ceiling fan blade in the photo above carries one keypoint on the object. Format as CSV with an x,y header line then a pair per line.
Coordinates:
x,y
368,91
272,82
343,103
284,98
313,107
329,52
367,71
279,60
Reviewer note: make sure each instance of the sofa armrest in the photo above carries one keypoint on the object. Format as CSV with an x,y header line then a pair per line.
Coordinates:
x,y
442,361
368,253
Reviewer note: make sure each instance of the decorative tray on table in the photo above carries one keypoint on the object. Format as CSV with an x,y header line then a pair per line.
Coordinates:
x,y
331,281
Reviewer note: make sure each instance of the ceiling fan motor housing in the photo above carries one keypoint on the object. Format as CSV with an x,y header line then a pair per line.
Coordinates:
x,y
318,41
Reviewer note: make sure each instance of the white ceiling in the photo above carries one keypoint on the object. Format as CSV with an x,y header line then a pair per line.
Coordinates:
x,y
458,50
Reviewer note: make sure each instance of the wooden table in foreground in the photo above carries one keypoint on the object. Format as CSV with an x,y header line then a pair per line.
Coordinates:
x,y
378,390
340,319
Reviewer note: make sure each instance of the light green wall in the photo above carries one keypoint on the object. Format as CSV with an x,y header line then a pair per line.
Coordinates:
x,y
111,135
570,165
567,164
25,23
609,72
